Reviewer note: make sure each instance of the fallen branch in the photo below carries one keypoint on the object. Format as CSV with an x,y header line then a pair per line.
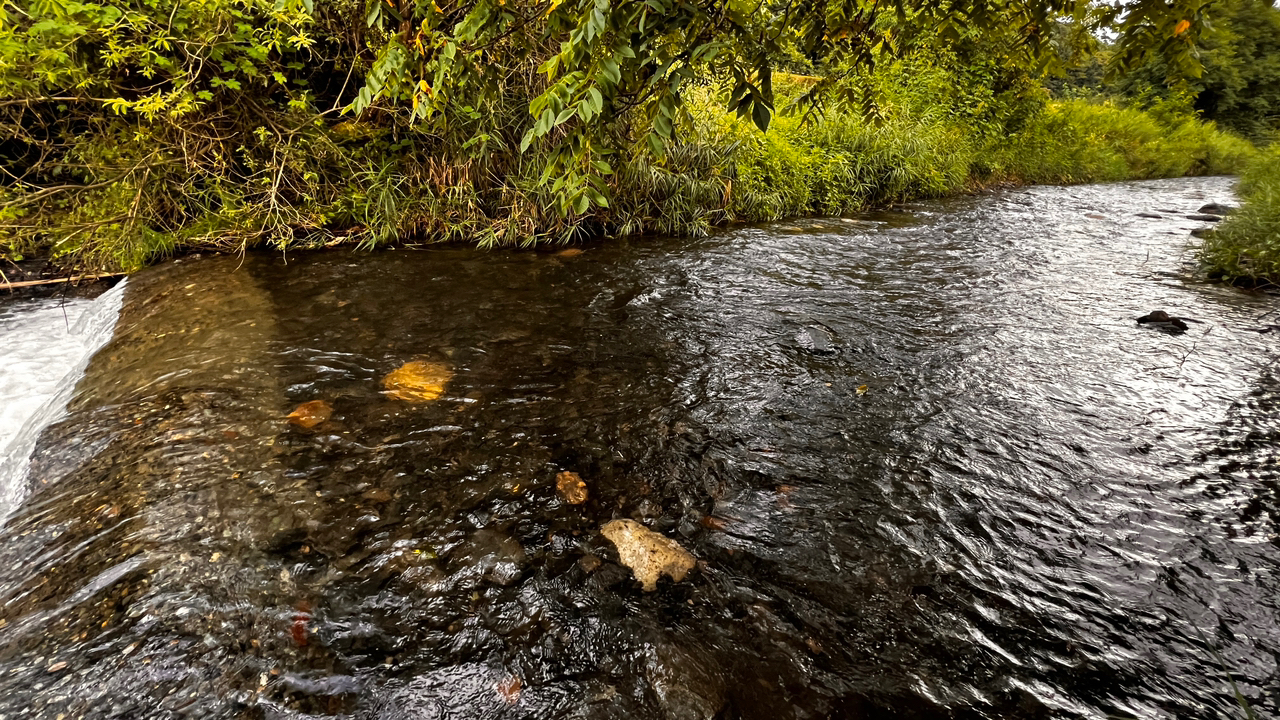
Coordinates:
x,y
73,278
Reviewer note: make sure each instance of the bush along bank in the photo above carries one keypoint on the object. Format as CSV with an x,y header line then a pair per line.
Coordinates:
x,y
353,183
175,127
1245,248
844,163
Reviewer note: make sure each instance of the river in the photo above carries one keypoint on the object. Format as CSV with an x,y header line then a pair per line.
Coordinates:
x,y
927,462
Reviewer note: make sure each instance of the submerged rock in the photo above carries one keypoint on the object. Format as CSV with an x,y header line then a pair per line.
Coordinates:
x,y
310,414
648,554
417,381
1204,218
1216,209
816,340
685,685
1161,320
488,555
571,488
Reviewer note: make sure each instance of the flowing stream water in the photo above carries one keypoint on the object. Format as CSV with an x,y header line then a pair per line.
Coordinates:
x,y
44,346
928,463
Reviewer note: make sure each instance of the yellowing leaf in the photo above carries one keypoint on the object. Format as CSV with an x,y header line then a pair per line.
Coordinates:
x,y
417,381
310,414
1182,26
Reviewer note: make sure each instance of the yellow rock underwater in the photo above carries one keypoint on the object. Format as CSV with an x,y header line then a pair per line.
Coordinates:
x,y
417,381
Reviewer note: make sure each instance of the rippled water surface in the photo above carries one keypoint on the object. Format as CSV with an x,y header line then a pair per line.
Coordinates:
x,y
928,464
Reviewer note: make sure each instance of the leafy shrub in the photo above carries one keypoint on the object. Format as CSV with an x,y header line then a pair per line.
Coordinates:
x,y
1246,246
1080,141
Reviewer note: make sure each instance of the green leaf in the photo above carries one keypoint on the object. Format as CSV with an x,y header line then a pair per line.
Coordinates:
x,y
760,115
611,71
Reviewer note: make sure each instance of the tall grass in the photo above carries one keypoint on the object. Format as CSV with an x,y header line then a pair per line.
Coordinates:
x,y
1246,247
839,164
843,163
315,184
1081,141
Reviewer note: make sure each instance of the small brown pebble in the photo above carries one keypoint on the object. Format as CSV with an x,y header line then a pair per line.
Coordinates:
x,y
571,488
571,252
712,523
509,689
310,414
814,645
589,563
58,666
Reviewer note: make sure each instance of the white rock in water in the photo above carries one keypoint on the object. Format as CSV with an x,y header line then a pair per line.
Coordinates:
x,y
648,554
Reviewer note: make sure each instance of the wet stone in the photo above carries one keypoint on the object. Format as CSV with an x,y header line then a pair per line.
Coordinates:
x,y
571,488
490,556
1161,320
310,414
815,340
417,381
648,554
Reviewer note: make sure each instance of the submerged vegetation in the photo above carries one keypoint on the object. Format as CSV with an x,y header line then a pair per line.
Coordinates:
x,y
136,130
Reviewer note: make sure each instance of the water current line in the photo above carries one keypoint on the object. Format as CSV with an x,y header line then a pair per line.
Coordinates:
x,y
56,346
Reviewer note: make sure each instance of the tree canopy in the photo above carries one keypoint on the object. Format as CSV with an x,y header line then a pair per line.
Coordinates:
x,y
1239,87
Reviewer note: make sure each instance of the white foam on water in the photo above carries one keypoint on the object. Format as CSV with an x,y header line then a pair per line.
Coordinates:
x,y
45,346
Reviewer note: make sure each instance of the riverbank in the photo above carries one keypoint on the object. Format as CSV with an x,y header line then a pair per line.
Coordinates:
x,y
1246,248
917,146
40,277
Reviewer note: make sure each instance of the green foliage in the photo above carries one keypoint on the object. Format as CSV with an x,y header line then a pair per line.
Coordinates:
x,y
1246,247
607,78
845,163
164,57
1239,86
841,164
134,129
1082,141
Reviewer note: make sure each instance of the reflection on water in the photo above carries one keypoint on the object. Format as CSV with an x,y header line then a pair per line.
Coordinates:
x,y
927,462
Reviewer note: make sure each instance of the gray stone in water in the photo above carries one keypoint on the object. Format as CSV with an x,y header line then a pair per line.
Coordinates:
x,y
489,555
815,340
685,686
1216,209
1205,218
1150,215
